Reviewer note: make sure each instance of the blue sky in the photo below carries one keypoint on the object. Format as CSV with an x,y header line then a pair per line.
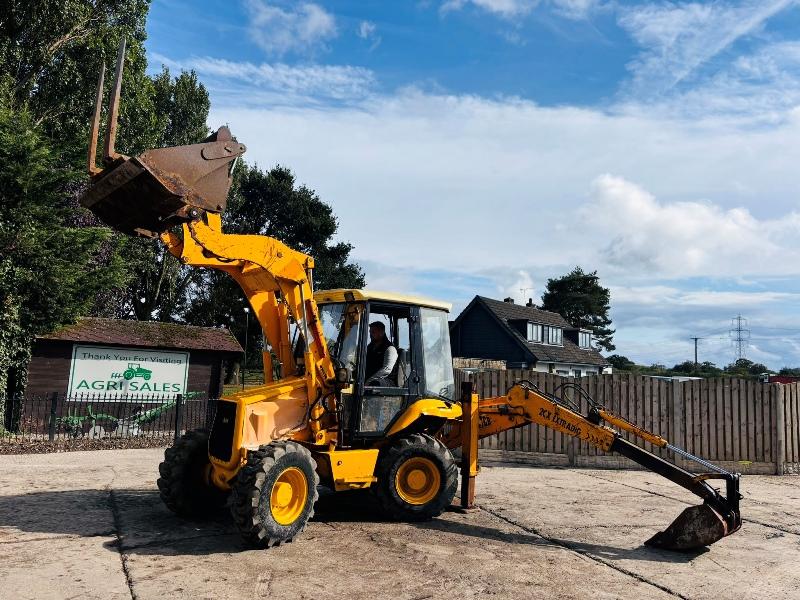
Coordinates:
x,y
497,143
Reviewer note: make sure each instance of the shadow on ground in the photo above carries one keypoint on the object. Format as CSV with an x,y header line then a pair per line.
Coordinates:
x,y
642,553
137,520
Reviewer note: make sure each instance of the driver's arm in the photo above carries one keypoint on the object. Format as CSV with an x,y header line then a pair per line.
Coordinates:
x,y
389,358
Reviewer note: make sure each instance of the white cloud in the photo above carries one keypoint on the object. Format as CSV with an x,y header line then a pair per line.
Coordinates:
x,y
516,175
503,8
684,239
368,31
576,9
277,84
678,39
521,289
508,9
301,27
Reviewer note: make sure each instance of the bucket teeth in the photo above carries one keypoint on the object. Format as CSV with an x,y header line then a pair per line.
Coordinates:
x,y
695,528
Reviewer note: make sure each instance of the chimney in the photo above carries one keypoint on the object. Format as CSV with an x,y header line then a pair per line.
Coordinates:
x,y
530,303
510,300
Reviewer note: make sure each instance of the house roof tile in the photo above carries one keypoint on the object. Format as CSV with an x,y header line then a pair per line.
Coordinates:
x,y
569,352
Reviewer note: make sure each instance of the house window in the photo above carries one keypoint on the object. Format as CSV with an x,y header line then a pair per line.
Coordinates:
x,y
585,339
553,335
534,332
576,372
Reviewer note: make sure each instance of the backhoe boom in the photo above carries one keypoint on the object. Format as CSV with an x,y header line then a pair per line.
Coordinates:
x,y
524,404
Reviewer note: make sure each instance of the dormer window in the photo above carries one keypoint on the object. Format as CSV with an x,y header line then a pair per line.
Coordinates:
x,y
534,333
585,339
553,335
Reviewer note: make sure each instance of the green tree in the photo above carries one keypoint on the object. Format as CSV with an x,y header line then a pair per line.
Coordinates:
x,y
52,51
746,368
49,270
583,302
621,363
159,282
704,369
270,203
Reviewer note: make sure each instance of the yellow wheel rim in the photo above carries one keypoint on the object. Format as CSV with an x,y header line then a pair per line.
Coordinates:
x,y
418,480
289,496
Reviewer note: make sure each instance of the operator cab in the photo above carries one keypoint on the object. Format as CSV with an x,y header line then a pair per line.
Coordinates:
x,y
416,327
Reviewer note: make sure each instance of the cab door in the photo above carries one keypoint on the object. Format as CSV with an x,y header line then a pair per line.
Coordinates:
x,y
380,402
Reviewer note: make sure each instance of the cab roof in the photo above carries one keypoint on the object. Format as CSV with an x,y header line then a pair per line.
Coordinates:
x,y
328,296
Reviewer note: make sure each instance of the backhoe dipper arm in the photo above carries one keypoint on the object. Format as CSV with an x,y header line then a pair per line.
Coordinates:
x,y
524,404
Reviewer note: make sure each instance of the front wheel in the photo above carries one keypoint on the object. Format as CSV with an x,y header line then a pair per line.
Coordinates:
x,y
274,494
417,479
183,485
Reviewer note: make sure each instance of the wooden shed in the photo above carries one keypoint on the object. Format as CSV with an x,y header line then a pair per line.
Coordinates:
x,y
98,355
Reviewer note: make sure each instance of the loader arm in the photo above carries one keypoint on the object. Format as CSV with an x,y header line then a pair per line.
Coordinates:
x,y
524,404
276,281
178,194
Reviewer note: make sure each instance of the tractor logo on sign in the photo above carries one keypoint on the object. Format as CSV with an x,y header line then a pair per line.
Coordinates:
x,y
135,370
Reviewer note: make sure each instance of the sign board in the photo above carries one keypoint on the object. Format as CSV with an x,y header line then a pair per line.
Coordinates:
x,y
122,373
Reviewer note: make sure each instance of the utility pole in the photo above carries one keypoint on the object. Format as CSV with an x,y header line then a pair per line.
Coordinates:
x,y
740,335
695,350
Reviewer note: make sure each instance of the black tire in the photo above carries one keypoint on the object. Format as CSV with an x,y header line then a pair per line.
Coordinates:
x,y
417,446
184,485
254,488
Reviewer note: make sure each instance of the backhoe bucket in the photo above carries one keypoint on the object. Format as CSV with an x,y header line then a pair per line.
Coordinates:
x,y
695,527
151,193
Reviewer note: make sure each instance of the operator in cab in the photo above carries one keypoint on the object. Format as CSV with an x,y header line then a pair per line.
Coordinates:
x,y
381,357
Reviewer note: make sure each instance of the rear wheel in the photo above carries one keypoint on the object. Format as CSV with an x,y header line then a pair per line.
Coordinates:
x,y
184,485
417,479
274,494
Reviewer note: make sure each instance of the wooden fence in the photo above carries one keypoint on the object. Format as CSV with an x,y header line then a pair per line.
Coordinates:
x,y
742,425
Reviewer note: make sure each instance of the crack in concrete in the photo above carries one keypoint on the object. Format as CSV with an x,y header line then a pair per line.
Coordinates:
x,y
117,521
123,558
588,555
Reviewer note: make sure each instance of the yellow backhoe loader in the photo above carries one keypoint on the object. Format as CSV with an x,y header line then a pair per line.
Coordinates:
x,y
321,417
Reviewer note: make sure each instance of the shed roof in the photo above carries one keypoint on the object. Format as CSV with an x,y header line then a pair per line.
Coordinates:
x,y
146,334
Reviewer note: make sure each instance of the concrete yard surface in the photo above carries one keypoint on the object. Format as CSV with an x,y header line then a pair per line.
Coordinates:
x,y
91,525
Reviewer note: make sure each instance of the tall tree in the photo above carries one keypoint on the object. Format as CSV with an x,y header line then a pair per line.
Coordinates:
x,y
52,51
581,300
159,282
49,271
270,203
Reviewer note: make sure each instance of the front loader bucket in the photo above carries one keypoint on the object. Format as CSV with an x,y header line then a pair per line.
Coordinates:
x,y
151,193
696,527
